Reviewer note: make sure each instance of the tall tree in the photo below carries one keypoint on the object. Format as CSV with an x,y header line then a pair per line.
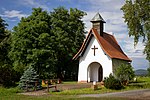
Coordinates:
x,y
7,74
68,29
32,43
3,38
137,17
47,41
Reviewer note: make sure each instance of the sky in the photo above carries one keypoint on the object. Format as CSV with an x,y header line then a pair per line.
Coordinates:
x,y
13,10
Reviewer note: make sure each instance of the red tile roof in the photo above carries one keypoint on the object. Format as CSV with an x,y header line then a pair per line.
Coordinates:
x,y
108,44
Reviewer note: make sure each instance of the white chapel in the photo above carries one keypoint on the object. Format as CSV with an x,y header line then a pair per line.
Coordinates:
x,y
99,54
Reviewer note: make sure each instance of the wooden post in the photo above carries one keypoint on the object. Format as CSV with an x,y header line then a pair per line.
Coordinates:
x,y
94,86
47,86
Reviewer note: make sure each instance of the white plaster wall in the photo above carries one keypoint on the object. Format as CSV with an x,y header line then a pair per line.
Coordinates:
x,y
88,58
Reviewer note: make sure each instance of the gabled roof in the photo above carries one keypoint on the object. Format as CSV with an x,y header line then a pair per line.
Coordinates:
x,y
108,44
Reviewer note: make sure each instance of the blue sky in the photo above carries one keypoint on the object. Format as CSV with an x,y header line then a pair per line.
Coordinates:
x,y
12,11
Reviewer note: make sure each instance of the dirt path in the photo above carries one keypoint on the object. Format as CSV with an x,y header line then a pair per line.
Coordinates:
x,y
59,87
73,86
36,93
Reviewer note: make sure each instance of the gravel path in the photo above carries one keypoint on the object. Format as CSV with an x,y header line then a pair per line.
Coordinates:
x,y
143,94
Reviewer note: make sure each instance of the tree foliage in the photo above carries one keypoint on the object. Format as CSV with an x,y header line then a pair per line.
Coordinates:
x,y
47,41
137,17
29,78
3,25
124,72
32,43
68,30
8,76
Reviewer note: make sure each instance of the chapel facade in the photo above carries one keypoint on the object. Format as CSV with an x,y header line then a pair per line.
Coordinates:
x,y
99,54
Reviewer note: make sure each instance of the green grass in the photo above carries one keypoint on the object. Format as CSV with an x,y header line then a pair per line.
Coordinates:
x,y
12,93
8,91
84,91
70,82
143,79
21,97
142,83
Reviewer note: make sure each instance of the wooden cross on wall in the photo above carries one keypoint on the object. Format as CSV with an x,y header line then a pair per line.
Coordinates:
x,y
94,49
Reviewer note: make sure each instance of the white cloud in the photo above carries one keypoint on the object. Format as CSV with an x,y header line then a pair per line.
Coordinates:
x,y
111,13
140,63
13,14
34,3
120,37
134,51
114,21
127,44
103,5
87,20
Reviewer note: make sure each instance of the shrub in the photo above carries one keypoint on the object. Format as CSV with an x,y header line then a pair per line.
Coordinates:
x,y
124,72
112,83
148,69
8,76
29,78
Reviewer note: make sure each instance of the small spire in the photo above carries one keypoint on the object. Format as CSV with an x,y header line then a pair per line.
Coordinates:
x,y
97,17
98,23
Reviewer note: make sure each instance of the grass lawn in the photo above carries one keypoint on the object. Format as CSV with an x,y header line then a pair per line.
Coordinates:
x,y
70,82
11,93
21,97
142,83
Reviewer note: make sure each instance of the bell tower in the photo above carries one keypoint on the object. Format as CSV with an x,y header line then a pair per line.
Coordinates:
x,y
98,23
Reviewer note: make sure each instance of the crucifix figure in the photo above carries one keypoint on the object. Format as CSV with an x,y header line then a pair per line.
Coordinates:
x,y
94,49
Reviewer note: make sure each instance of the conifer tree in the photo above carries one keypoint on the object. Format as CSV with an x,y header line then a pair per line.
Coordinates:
x,y
29,78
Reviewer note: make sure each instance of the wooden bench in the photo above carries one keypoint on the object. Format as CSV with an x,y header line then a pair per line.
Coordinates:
x,y
51,83
51,86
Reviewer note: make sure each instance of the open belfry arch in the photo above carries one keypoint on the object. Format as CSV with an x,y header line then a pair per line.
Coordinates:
x,y
99,54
